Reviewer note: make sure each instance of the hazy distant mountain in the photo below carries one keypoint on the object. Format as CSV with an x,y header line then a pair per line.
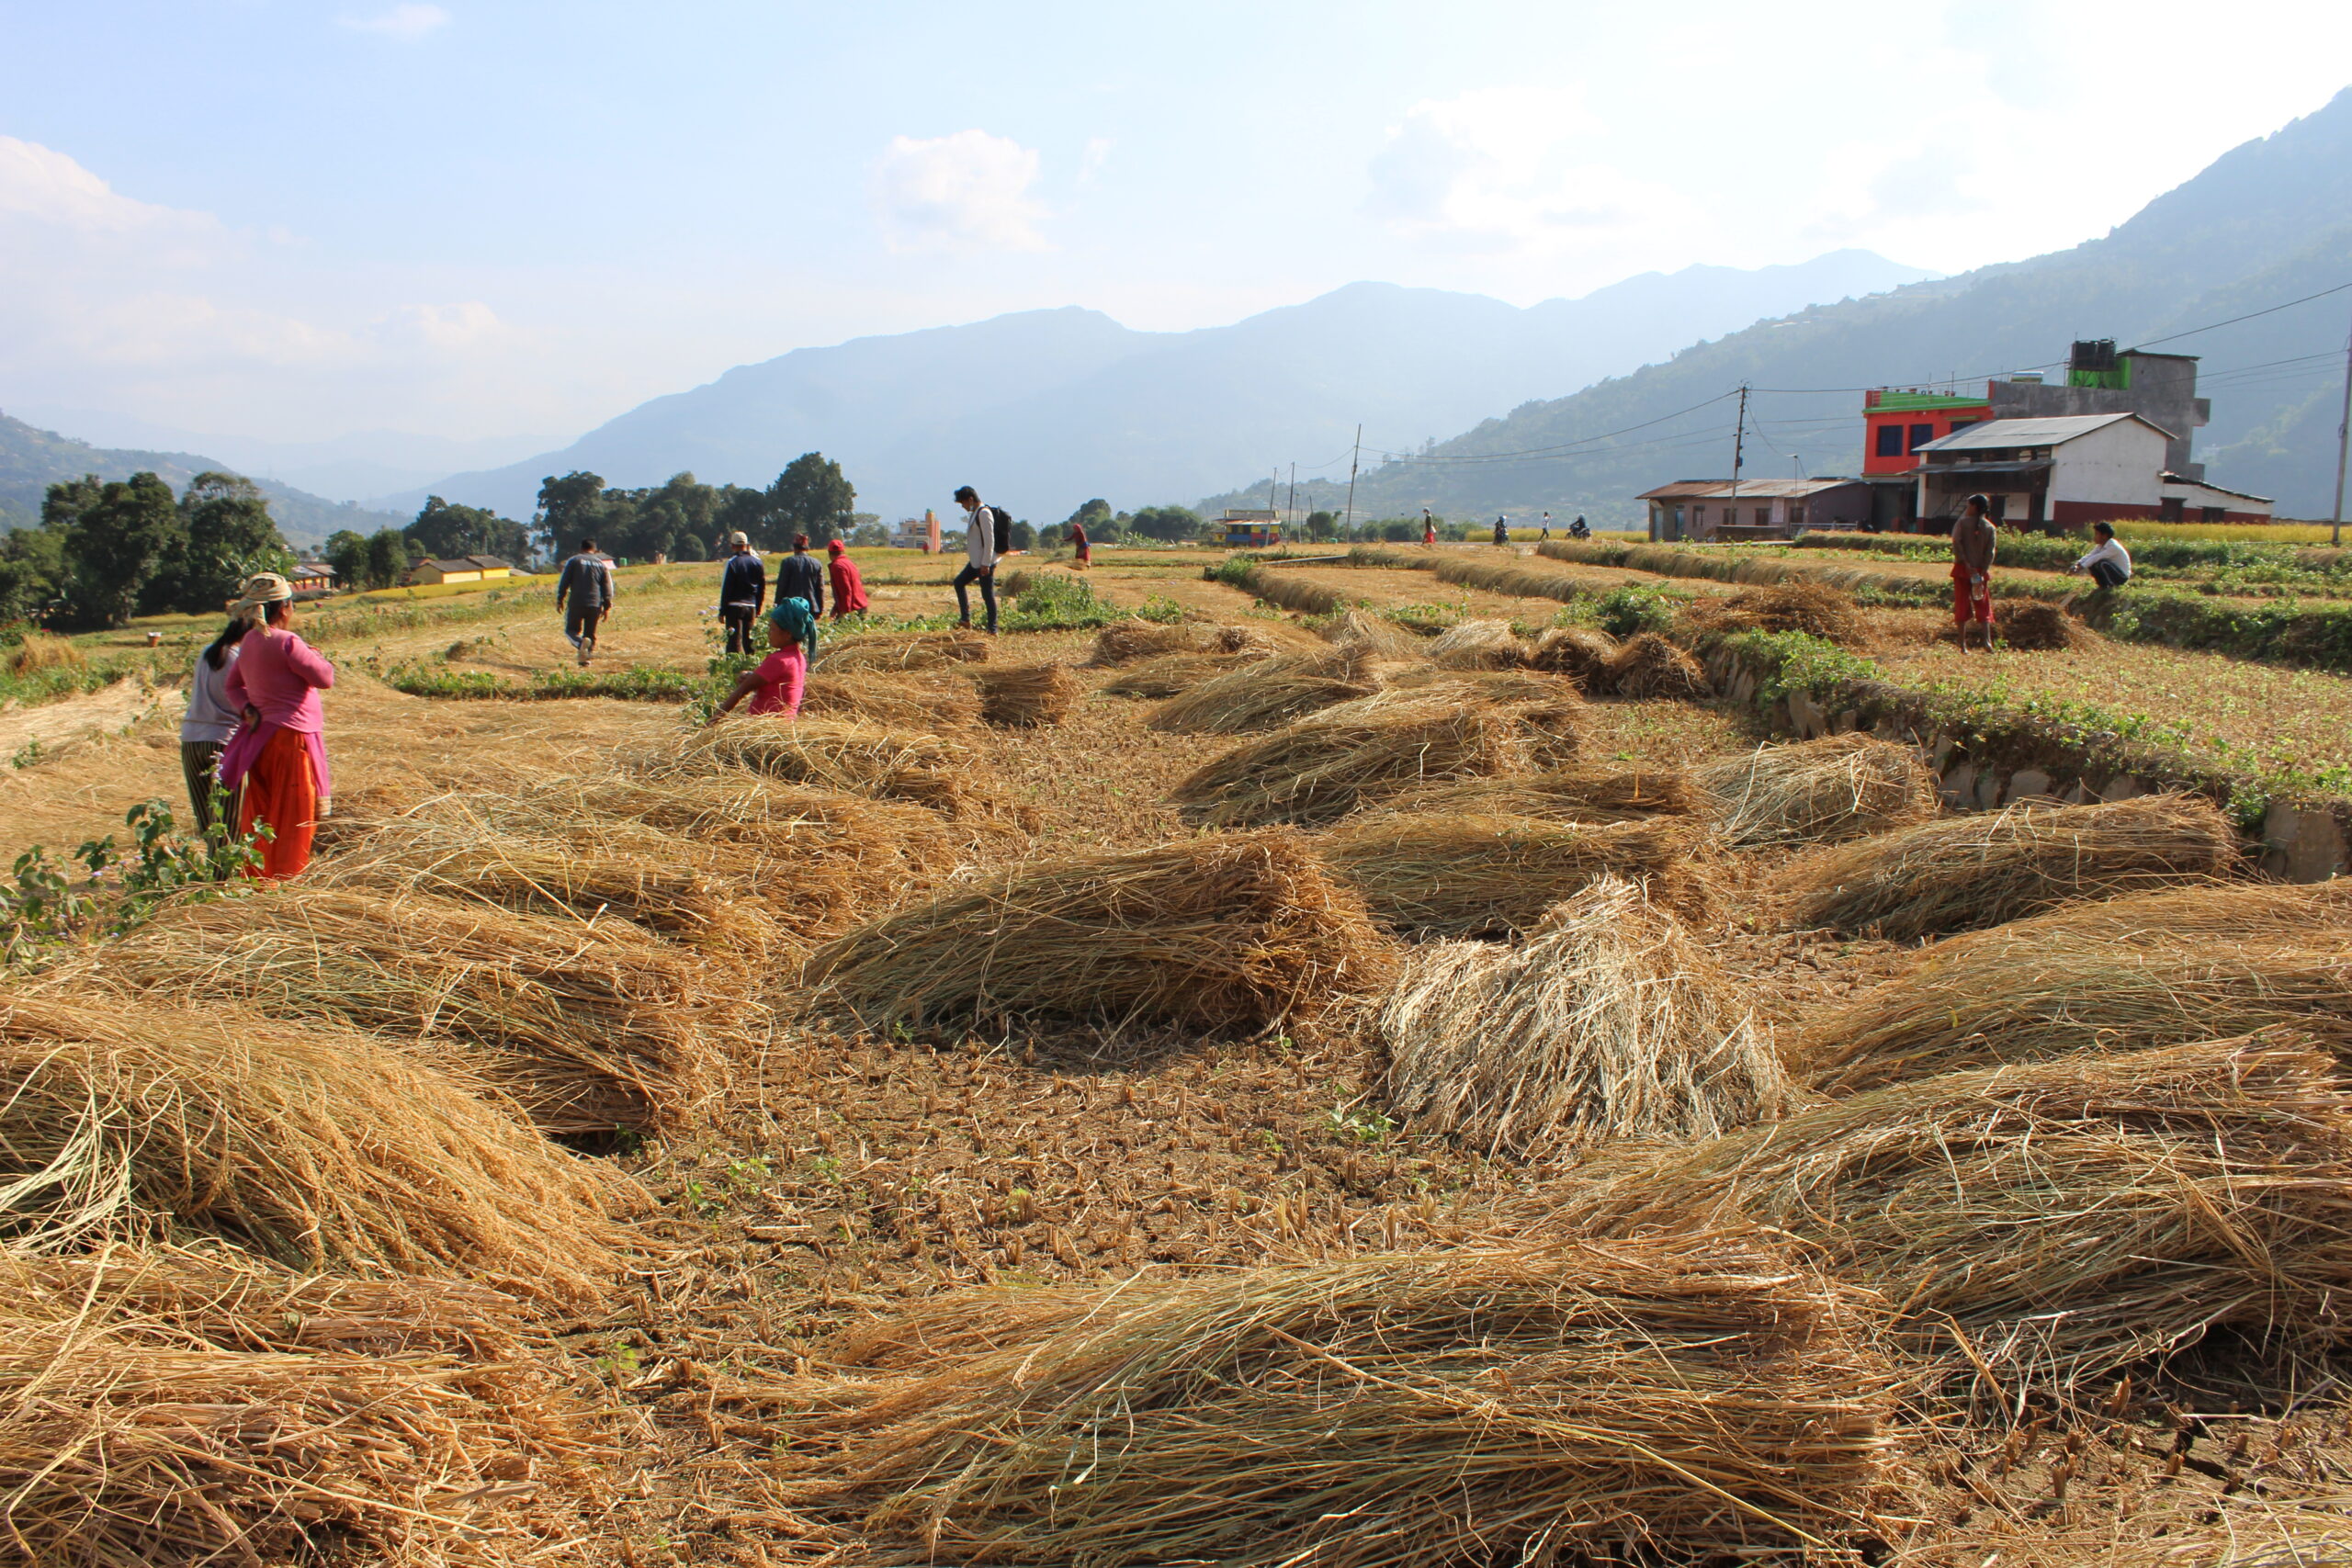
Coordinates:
x,y
32,459
1043,409
2265,223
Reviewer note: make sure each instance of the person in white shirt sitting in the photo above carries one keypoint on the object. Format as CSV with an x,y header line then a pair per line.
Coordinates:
x,y
2108,563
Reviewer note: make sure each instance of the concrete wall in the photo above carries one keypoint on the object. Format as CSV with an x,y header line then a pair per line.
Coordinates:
x,y
2163,391
2119,466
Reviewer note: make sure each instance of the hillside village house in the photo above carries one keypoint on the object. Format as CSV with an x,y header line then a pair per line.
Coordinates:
x,y
1753,509
464,569
2072,471
311,578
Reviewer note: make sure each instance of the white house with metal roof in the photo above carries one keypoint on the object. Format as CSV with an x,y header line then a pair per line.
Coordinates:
x,y
2072,470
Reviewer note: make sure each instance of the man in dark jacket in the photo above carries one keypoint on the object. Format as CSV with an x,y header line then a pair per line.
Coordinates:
x,y
742,592
799,576
1973,543
584,594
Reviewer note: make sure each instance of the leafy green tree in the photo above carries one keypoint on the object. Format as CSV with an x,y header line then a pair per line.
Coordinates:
x,y
747,512
387,558
690,548
346,551
115,535
1322,526
1093,517
569,510
870,536
812,497
1170,523
447,531
226,535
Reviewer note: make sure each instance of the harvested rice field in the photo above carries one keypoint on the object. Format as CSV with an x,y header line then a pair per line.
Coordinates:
x,y
1232,1086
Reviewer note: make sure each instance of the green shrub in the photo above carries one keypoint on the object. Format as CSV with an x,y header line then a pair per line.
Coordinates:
x,y
1632,608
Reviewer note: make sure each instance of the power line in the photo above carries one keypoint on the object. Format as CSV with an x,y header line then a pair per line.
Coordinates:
x,y
2250,315
1566,445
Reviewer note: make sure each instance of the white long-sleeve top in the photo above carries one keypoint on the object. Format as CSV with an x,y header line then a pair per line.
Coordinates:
x,y
2111,550
210,716
979,537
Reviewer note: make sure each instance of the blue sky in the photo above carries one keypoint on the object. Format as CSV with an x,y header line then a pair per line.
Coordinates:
x,y
467,218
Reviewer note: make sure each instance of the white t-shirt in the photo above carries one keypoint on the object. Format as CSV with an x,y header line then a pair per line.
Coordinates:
x,y
2112,550
979,537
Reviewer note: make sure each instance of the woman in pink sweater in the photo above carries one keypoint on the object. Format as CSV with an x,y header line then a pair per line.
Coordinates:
x,y
278,753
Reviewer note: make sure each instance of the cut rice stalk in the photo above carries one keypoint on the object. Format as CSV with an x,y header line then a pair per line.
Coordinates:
x,y
1591,793
1580,652
1232,931
1797,605
1649,666
1025,695
895,702
1960,873
1171,673
865,759
902,651
1478,645
1440,875
1123,642
1267,693
1373,636
1609,1022
1817,792
1691,1398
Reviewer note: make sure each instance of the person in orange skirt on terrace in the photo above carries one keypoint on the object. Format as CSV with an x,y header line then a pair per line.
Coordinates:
x,y
1973,541
278,753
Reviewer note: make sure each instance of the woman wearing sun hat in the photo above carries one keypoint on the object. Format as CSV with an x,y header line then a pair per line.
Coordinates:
x,y
278,753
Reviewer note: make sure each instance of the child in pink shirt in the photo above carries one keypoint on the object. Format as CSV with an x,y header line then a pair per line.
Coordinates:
x,y
774,687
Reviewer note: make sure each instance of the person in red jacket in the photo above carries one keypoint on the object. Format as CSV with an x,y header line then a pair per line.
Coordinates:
x,y
849,588
1078,542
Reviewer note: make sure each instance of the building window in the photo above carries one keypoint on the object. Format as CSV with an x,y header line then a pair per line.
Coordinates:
x,y
1698,516
1921,435
1763,517
1890,441
1958,425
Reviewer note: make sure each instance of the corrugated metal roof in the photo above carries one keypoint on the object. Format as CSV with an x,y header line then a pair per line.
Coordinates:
x,y
2030,432
1759,490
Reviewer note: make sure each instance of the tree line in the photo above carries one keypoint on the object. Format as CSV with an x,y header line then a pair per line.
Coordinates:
x,y
107,549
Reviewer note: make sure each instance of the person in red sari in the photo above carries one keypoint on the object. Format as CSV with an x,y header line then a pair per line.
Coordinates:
x,y
849,588
278,753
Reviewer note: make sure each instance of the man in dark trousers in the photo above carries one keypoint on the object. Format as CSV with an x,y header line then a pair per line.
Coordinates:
x,y
799,576
584,594
742,592
1502,532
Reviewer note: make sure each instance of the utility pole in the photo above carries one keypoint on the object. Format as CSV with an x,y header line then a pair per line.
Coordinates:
x,y
1290,507
2342,445
1355,455
1738,449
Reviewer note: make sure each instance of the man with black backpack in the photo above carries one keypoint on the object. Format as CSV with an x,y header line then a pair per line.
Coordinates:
x,y
987,535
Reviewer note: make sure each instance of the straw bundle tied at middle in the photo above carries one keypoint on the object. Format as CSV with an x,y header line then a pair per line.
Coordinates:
x,y
1477,875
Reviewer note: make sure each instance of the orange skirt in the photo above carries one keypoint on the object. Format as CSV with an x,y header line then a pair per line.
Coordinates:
x,y
281,792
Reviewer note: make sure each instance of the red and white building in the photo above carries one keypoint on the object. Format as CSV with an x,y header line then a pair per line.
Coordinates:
x,y
2072,471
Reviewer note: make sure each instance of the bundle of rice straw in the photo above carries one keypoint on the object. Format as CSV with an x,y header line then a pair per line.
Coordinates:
x,y
1597,792
2036,626
1025,695
1322,767
1122,642
1267,693
586,1029
2014,994
123,1442
765,818
1649,666
1696,1397
902,651
1229,931
1960,873
1580,652
894,703
1432,875
1792,607
864,759
2064,1217
1817,792
312,1146
1478,645
1608,1023
1373,635
1522,689
1171,673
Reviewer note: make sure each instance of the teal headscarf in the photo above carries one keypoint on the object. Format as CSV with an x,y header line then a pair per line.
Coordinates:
x,y
799,623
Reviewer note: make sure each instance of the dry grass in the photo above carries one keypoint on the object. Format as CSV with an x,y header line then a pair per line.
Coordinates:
x,y
1170,674
588,1029
41,651
1597,792
1817,792
1267,693
1123,642
1648,665
1694,1397
1610,1021
309,1145
896,703
902,651
1478,645
1580,652
2061,1219
2035,626
862,759
1320,768
1025,695
1960,872
1288,591
1374,637
1444,876
1794,606
1230,931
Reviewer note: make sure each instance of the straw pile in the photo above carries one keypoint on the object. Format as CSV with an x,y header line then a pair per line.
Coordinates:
x,y
1581,652
2018,993
736,812
898,703
1960,872
1122,642
1478,645
864,759
903,650
1797,605
1171,673
587,1030
1525,690
2036,626
1591,793
1323,766
1025,696
1373,635
1267,693
1229,931
2065,1217
1430,876
1817,792
1693,1397
124,1443
1609,1022
1649,666
312,1146
1289,592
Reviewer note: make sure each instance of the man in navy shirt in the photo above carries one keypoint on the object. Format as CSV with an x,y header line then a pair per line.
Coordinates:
x,y
743,592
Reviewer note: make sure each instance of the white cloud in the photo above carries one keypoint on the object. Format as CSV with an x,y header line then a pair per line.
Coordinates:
x,y
1096,153
407,21
49,188
948,190
466,325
